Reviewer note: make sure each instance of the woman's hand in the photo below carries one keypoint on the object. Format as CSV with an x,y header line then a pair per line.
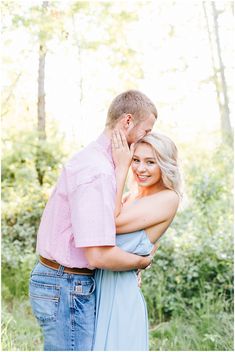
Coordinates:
x,y
122,154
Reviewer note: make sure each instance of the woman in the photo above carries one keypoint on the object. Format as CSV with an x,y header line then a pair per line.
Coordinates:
x,y
142,218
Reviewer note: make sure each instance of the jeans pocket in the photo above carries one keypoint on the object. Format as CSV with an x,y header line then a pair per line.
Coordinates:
x,y
84,288
44,299
83,311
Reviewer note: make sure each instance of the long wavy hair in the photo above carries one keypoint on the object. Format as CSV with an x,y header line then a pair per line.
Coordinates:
x,y
167,157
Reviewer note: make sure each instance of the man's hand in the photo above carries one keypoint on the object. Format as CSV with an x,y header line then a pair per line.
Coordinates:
x,y
152,253
139,274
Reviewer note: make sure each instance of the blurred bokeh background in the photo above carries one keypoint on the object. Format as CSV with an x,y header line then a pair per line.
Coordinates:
x,y
62,64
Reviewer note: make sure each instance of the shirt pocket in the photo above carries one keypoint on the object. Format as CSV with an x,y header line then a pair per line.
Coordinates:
x,y
44,298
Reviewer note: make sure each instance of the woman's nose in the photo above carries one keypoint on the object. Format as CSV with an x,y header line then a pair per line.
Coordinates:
x,y
141,167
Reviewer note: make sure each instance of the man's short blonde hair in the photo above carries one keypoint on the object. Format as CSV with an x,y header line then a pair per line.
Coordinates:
x,y
130,102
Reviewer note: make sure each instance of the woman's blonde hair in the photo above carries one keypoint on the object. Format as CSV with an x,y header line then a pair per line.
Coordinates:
x,y
167,157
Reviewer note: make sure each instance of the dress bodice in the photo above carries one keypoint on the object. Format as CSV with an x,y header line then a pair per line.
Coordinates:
x,y
136,242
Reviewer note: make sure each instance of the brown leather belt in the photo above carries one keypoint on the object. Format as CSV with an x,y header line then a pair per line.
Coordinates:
x,y
54,265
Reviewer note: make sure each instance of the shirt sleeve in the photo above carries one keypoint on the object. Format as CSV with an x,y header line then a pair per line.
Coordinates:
x,y
92,212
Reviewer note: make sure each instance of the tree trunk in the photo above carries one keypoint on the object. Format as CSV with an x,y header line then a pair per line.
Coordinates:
x,y
81,83
41,92
219,76
227,134
39,160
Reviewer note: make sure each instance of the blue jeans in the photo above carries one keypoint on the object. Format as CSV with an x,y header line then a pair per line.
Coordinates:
x,y
64,305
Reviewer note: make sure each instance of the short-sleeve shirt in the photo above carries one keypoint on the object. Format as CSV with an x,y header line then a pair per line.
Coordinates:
x,y
80,210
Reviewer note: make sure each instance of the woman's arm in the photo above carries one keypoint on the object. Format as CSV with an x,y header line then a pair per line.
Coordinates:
x,y
122,156
121,174
148,211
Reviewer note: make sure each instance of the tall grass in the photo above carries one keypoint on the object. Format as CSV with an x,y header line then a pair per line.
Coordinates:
x,y
209,327
20,330
206,327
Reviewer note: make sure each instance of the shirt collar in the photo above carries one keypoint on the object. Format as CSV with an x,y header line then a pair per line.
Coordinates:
x,y
105,143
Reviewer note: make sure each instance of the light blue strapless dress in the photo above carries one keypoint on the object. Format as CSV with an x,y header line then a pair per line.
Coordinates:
x,y
121,313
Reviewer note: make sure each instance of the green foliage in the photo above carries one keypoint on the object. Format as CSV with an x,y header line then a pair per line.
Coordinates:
x,y
78,6
25,156
20,330
16,269
114,22
29,170
44,21
196,254
208,328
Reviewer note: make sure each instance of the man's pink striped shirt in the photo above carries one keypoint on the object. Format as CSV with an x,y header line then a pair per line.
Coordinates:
x,y
80,211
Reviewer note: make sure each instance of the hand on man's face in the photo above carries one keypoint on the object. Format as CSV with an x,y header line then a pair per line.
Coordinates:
x,y
140,129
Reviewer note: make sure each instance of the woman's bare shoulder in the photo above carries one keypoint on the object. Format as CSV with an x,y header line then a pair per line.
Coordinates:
x,y
167,195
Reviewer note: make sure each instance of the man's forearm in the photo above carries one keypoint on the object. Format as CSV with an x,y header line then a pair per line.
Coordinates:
x,y
115,259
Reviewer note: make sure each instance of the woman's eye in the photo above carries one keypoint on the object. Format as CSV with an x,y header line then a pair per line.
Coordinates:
x,y
150,162
135,160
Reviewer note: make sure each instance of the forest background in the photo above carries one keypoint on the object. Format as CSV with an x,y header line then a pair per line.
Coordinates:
x,y
62,64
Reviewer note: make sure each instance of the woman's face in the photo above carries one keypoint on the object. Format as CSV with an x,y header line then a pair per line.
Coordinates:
x,y
144,166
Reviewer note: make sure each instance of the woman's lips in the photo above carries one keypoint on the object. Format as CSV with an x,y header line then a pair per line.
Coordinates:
x,y
142,178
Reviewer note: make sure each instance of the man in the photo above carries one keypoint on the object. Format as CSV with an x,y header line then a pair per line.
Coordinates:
x,y
77,232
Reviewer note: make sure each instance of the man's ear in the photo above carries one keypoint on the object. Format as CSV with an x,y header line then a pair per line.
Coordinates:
x,y
127,121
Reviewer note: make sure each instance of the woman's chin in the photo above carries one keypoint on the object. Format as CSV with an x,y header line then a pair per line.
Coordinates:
x,y
143,183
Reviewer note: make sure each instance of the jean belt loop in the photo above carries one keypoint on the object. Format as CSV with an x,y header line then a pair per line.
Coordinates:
x,y
60,270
